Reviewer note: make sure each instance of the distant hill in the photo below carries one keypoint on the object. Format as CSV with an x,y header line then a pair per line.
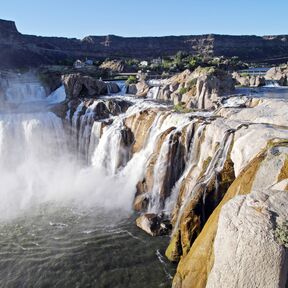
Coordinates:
x,y
19,50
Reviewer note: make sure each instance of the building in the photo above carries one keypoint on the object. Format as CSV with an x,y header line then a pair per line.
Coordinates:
x,y
78,64
144,63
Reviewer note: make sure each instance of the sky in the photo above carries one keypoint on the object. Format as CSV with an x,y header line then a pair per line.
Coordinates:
x,y
80,18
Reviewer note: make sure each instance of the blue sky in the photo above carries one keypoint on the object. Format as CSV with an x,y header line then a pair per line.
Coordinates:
x,y
75,18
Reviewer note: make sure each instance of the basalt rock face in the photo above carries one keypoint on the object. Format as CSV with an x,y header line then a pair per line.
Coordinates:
x,y
198,89
18,50
199,170
78,86
140,89
193,243
279,74
245,239
249,81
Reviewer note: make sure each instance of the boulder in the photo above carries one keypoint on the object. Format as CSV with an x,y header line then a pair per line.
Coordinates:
x,y
153,224
113,87
132,89
257,81
247,254
248,80
140,89
279,74
78,86
198,89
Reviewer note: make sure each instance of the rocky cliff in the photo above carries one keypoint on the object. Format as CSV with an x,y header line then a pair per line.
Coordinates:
x,y
219,176
18,50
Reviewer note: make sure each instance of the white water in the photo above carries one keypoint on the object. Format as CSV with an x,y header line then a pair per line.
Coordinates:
x,y
153,92
111,153
25,92
271,83
36,145
36,165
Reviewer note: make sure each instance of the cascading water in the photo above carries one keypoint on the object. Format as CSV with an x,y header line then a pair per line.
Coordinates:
x,y
153,92
55,211
271,83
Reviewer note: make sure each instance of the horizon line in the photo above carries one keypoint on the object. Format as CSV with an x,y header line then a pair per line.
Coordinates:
x,y
145,36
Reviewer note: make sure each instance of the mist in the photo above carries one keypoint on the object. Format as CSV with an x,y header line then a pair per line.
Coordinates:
x,y
38,165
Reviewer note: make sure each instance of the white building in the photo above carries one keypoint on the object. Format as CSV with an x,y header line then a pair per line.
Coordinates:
x,y
78,64
144,63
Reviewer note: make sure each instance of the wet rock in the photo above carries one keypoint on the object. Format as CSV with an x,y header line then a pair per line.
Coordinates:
x,y
140,89
253,177
132,89
113,87
140,124
60,109
153,224
78,86
141,201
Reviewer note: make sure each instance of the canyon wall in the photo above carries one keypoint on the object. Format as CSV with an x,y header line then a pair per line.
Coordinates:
x,y
18,50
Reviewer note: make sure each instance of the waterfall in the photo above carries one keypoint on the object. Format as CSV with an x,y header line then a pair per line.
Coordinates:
x,y
215,166
24,92
38,163
112,152
271,83
195,132
122,86
159,176
153,92
86,122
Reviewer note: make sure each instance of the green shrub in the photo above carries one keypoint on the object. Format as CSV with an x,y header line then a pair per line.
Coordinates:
x,y
131,80
183,90
244,74
281,234
181,108
191,84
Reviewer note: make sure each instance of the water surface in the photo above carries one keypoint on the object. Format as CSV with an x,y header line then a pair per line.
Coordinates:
x,y
65,247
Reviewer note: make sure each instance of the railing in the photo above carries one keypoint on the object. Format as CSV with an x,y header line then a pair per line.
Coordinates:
x,y
254,71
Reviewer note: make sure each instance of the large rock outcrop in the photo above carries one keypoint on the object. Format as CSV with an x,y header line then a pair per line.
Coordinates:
x,y
249,80
194,269
189,166
245,242
279,74
78,86
140,89
250,165
199,89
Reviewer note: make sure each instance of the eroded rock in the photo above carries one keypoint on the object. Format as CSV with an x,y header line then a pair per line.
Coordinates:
x,y
153,224
245,242
78,86
279,74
